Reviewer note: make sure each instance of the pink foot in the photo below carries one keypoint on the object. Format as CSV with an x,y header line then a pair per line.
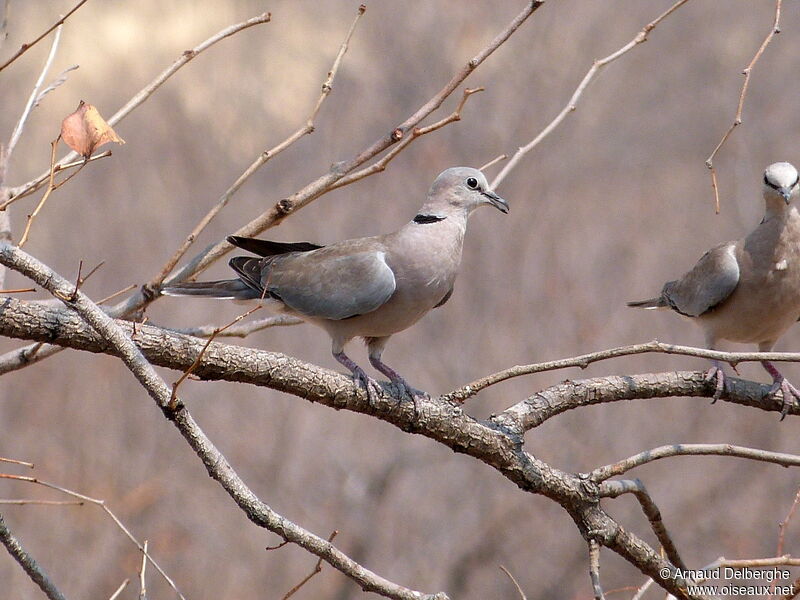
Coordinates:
x,y
715,372
790,395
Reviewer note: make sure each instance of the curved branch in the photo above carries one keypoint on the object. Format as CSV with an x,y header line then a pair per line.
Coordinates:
x,y
492,442
119,342
584,360
597,66
637,460
543,405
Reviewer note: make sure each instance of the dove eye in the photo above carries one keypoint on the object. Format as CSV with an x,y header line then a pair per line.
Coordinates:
x,y
472,183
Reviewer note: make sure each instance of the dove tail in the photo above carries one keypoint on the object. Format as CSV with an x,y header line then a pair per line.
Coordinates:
x,y
649,304
229,289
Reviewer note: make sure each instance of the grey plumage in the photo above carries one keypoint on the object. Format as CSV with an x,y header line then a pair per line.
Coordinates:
x,y
369,287
748,290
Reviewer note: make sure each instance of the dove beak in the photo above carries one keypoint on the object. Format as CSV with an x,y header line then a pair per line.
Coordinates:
x,y
496,201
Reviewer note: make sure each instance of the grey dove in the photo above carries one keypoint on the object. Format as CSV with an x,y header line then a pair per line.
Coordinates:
x,y
369,287
748,290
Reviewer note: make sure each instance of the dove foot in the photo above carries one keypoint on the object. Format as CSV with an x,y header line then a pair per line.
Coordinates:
x,y
716,372
790,395
371,386
398,380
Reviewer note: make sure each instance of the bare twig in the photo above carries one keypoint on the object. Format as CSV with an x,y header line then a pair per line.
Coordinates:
x,y
493,162
262,159
785,523
594,569
25,502
642,590
737,120
613,489
277,546
307,578
514,581
151,87
773,561
50,187
18,291
597,66
16,193
27,355
242,330
32,99
121,587
584,360
142,584
14,461
25,47
60,80
117,294
637,460
108,511
26,561
416,132
174,395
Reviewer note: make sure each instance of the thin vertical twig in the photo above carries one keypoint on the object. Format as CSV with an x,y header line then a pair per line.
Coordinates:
x,y
17,132
737,120
142,584
594,569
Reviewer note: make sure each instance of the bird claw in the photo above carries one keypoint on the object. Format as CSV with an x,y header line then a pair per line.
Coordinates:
x,y
414,395
790,395
371,387
716,372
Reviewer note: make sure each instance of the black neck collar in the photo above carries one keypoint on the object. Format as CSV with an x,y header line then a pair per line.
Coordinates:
x,y
424,219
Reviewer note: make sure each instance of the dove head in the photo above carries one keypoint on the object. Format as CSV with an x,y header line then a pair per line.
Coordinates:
x,y
460,190
780,183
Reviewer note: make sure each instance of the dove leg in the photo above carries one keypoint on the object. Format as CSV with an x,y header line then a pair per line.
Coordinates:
x,y
791,395
716,372
375,347
370,385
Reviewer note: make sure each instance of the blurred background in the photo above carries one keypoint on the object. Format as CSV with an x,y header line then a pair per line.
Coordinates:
x,y
615,202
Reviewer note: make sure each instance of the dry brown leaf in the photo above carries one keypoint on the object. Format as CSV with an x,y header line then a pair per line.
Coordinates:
x,y
84,130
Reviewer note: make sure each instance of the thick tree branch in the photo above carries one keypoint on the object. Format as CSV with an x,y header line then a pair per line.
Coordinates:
x,y
584,360
496,443
543,405
120,343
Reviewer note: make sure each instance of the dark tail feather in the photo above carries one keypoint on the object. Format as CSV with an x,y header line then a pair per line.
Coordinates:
x,y
268,248
229,289
651,303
